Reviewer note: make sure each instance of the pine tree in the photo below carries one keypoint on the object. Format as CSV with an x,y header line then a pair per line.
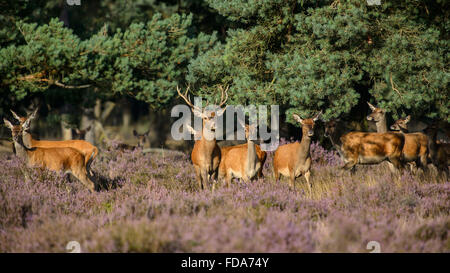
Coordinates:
x,y
331,55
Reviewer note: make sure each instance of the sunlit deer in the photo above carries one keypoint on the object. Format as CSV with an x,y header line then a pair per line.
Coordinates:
x,y
242,160
372,148
86,148
64,159
206,153
262,155
378,115
416,144
294,159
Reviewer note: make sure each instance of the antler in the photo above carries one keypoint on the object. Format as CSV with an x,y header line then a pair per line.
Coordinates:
x,y
371,106
223,91
186,97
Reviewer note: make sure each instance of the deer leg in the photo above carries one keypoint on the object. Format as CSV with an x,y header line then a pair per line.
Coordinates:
x,y
350,165
198,176
307,176
292,179
423,164
260,172
246,179
276,174
204,175
397,164
228,178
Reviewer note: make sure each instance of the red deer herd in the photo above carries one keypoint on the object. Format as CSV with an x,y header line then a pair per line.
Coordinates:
x,y
245,161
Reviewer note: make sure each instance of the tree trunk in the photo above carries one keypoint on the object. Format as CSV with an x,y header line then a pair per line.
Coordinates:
x,y
126,116
66,132
87,120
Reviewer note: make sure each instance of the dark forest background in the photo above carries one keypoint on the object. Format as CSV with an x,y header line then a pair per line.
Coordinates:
x,y
114,65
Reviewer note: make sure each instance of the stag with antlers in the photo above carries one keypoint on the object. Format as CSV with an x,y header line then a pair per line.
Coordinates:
x,y
206,153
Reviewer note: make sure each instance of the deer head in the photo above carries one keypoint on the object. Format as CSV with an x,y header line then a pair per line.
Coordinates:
x,y
208,116
16,130
142,138
378,114
250,129
81,134
307,124
401,124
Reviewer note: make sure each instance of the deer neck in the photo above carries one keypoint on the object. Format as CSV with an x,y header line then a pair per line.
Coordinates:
x,y
304,147
381,125
403,131
208,144
27,139
20,150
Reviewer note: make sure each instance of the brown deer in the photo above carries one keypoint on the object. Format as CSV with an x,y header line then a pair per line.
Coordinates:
x,y
206,153
416,144
86,148
372,148
64,159
378,116
294,159
142,138
439,152
242,160
262,155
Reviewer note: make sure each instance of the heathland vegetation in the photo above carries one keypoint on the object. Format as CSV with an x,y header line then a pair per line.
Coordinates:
x,y
98,70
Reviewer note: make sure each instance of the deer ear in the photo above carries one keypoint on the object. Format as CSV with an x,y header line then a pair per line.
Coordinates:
x,y
33,115
371,106
297,118
408,119
77,131
316,117
15,115
88,128
146,133
8,124
135,133
198,113
27,123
